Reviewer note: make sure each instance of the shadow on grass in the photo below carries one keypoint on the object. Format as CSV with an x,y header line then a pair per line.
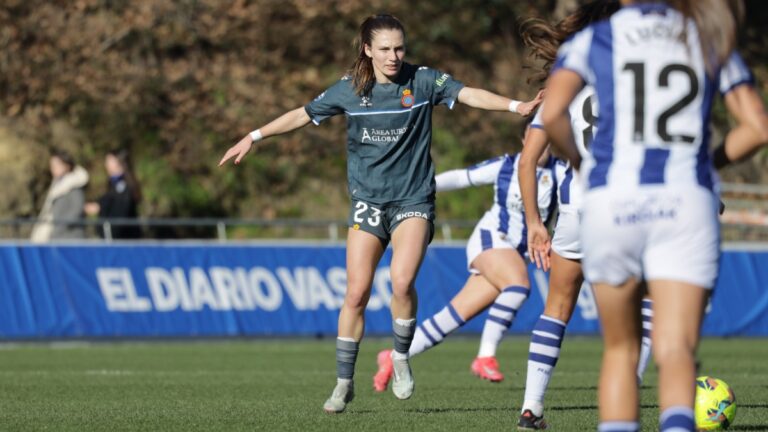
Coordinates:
x,y
453,410
589,407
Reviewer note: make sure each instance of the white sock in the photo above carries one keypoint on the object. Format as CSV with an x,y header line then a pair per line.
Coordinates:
x,y
542,357
645,346
433,330
618,426
500,317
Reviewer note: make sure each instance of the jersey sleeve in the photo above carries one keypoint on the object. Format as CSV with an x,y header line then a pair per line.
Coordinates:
x,y
734,73
573,55
328,104
485,172
452,180
445,89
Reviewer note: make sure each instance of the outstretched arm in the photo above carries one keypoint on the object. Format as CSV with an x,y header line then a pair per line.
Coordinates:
x,y
538,237
287,122
483,99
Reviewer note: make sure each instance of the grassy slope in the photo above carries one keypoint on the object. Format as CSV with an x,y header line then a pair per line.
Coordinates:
x,y
281,384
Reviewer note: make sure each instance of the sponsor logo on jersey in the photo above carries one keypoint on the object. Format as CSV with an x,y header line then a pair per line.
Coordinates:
x,y
382,135
410,214
408,99
440,81
365,102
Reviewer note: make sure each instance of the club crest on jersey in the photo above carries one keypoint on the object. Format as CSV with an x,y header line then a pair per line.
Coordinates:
x,y
408,99
365,102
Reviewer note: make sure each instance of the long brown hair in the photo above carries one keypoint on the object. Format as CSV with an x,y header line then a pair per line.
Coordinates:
x,y
717,22
123,157
362,70
544,39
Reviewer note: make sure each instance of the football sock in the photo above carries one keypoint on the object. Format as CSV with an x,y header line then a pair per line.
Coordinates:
x,y
543,353
500,317
677,419
618,426
403,330
645,346
433,330
346,356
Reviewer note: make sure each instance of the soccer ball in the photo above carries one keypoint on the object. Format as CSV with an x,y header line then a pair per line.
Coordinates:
x,y
715,404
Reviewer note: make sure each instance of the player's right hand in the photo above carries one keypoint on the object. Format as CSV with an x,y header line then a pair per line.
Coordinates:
x,y
539,245
240,150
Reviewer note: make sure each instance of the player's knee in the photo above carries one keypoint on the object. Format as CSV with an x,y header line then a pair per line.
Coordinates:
x,y
401,285
355,298
559,308
671,352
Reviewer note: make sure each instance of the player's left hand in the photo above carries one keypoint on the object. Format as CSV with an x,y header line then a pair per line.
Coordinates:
x,y
240,150
527,108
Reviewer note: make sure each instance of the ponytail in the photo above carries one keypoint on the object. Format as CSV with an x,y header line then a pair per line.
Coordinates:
x,y
717,22
544,39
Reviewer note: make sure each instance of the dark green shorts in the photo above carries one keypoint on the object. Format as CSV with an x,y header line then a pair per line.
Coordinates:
x,y
382,221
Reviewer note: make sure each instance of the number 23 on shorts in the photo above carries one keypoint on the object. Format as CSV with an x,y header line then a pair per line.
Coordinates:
x,y
366,214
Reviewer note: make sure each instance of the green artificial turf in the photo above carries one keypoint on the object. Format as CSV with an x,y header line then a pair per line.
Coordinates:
x,y
281,385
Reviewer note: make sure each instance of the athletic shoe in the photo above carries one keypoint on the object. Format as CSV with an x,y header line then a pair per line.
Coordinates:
x,y
528,421
402,382
342,394
384,374
487,368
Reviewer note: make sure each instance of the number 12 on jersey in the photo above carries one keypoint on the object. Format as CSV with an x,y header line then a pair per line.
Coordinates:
x,y
658,94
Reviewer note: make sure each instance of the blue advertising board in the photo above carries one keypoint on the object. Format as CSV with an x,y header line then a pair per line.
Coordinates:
x,y
195,290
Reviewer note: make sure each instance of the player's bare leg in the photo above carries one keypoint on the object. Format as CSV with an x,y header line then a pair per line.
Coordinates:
x,y
619,310
409,243
506,270
364,251
677,315
565,281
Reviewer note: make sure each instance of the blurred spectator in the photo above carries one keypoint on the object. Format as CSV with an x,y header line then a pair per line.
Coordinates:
x,y
122,197
64,201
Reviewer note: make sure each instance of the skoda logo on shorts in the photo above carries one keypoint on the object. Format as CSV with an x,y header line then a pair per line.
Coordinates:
x,y
410,214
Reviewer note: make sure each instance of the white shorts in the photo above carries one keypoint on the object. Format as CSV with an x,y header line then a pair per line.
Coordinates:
x,y
653,232
566,241
487,236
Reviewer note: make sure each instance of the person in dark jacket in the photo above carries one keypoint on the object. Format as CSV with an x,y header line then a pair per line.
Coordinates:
x,y
121,201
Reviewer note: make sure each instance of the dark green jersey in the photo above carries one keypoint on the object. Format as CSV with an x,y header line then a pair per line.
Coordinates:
x,y
389,133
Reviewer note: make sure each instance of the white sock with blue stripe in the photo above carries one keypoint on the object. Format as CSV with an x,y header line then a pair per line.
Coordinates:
x,y
645,346
677,419
500,317
618,426
433,330
542,357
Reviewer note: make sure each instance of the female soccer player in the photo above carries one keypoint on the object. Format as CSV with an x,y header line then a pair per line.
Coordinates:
x,y
650,210
388,104
495,250
562,254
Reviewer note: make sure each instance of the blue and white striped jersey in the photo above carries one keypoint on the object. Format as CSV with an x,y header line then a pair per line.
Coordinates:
x,y
654,97
583,113
501,172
